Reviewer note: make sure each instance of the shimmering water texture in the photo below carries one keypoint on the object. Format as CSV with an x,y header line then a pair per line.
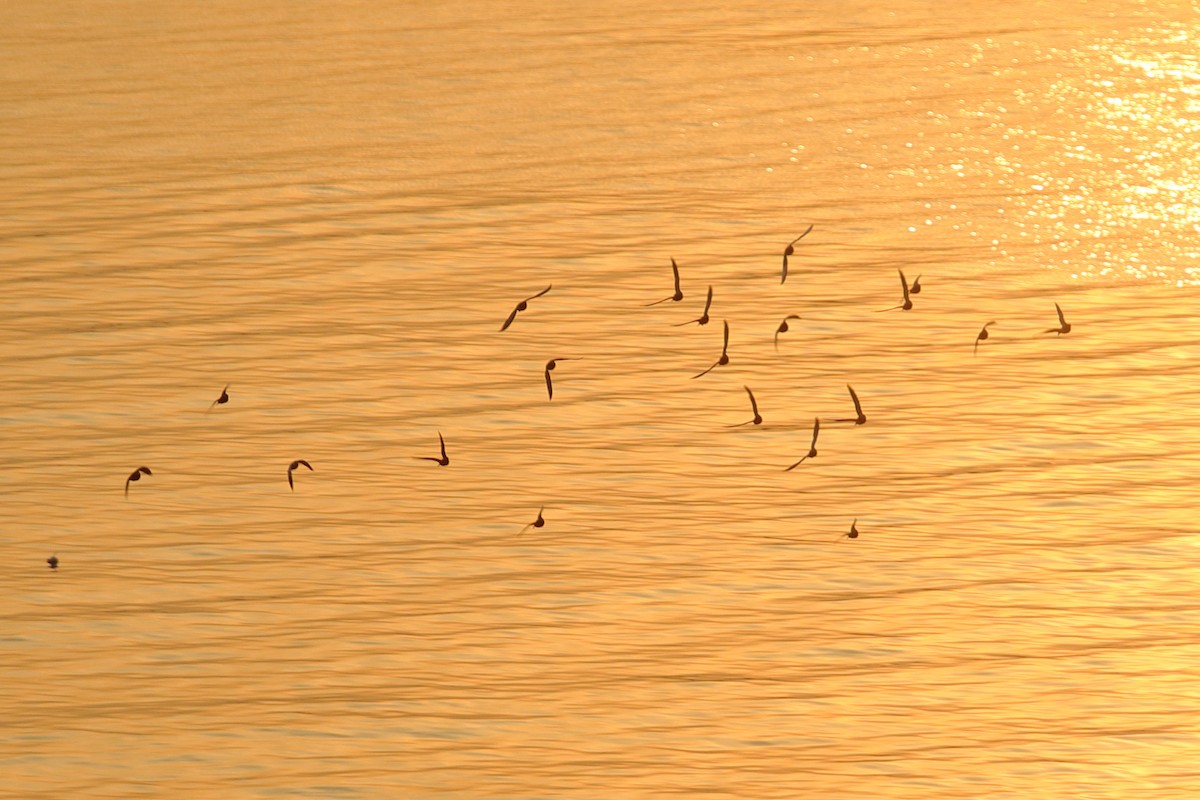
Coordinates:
x,y
447,495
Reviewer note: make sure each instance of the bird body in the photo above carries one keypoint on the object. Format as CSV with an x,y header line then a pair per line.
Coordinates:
x,y
521,306
550,365
861,419
222,400
1063,325
678,291
537,523
724,359
812,448
783,328
703,318
444,460
53,561
299,462
983,334
789,250
136,475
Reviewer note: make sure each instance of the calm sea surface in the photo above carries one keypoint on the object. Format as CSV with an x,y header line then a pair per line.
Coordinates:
x,y
332,208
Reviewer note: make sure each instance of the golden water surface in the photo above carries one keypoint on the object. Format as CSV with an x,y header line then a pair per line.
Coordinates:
x,y
332,208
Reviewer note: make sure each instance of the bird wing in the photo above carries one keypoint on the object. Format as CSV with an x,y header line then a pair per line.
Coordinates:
x,y
291,485
753,404
710,369
549,385
816,430
854,397
675,269
783,277
807,231
1061,319
442,442
539,294
510,319
903,284
725,346
708,302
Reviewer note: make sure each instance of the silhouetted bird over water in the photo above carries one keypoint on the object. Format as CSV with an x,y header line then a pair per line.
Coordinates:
x,y
724,359
1063,325
983,334
853,532
521,306
907,302
678,291
53,561
222,400
812,448
861,419
754,406
550,365
703,318
916,286
789,250
783,328
537,523
136,475
299,462
444,460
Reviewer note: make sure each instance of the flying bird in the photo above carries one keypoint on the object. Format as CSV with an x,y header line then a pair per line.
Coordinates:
x,y
299,462
136,475
1063,325
783,328
791,248
703,318
724,359
907,303
521,306
53,561
861,419
222,400
853,532
537,523
916,286
551,364
678,292
812,448
754,406
983,334
444,460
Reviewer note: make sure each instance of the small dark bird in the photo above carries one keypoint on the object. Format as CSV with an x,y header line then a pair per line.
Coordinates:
x,y
724,359
703,318
521,306
861,419
907,304
853,532
299,462
53,561
551,364
791,248
136,475
1063,325
444,460
678,292
754,406
222,400
783,328
537,523
983,334
916,286
812,448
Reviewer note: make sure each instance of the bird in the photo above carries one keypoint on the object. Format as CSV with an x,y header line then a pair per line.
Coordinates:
x,y
299,462
551,364
791,248
812,448
753,405
1063,325
537,523
678,292
916,286
444,460
853,532
521,306
861,419
783,328
907,304
53,561
983,334
703,318
136,475
724,359
222,400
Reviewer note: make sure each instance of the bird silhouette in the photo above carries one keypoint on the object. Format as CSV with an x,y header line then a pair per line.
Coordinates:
x,y
861,419
551,364
791,248
783,328
444,460
53,561
222,400
537,523
812,448
983,334
852,533
907,302
136,475
521,306
916,286
724,359
703,318
754,406
299,462
678,291
1063,325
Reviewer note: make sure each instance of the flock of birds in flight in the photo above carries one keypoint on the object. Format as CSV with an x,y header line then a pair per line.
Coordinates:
x,y
860,418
